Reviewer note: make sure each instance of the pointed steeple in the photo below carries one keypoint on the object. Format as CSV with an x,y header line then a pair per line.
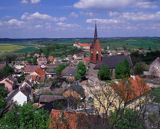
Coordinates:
x,y
95,32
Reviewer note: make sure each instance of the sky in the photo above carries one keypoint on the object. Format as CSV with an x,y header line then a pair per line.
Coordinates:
x,y
76,18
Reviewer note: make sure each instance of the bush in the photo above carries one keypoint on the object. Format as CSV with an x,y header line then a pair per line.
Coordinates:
x,y
104,73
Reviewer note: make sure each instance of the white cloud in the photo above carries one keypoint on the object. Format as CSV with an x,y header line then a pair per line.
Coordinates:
x,y
37,15
15,22
38,26
74,14
146,4
30,1
102,3
103,21
136,16
88,14
41,17
66,25
110,4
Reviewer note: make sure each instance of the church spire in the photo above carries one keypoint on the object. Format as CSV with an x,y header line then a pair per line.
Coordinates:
x,y
95,32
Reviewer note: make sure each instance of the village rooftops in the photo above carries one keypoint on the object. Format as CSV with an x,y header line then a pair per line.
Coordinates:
x,y
76,120
112,61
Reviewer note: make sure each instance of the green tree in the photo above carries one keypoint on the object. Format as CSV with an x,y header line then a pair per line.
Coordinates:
x,y
122,70
3,95
6,71
104,73
80,71
59,69
25,117
139,68
21,78
129,119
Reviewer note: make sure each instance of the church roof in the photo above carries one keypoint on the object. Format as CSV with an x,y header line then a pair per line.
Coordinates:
x,y
112,61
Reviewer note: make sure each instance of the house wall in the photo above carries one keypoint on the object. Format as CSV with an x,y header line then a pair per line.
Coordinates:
x,y
20,98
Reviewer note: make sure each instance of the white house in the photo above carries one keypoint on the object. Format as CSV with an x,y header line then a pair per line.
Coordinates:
x,y
20,98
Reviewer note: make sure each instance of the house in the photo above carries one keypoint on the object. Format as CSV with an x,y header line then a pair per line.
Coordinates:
x,y
85,46
21,95
2,65
51,59
131,93
38,75
28,69
42,60
76,120
51,70
43,99
75,90
18,68
154,69
69,73
113,61
8,83
17,97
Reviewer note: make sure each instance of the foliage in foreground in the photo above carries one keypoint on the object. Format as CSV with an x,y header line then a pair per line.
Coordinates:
x,y
128,120
25,117
3,94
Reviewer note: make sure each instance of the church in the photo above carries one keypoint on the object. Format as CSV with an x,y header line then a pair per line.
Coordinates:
x,y
98,59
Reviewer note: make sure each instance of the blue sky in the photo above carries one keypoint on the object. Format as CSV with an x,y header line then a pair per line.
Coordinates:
x,y
76,18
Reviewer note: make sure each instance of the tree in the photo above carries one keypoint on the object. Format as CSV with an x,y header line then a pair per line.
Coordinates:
x,y
129,119
80,71
104,73
6,71
122,70
139,68
25,117
3,95
59,69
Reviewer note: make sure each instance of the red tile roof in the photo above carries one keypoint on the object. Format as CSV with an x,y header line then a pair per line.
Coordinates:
x,y
131,89
86,59
40,72
84,44
75,120
2,66
30,68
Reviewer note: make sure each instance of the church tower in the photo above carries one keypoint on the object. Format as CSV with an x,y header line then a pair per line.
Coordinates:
x,y
95,49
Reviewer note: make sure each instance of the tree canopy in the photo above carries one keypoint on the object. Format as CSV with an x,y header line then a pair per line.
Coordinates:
x,y
60,68
25,117
3,95
139,68
122,70
129,119
104,73
80,71
6,71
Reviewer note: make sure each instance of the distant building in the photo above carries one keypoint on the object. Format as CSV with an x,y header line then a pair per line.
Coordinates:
x,y
154,69
69,73
42,60
85,46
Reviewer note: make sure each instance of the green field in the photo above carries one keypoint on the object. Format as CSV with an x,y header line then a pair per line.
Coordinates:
x,y
16,48
5,48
